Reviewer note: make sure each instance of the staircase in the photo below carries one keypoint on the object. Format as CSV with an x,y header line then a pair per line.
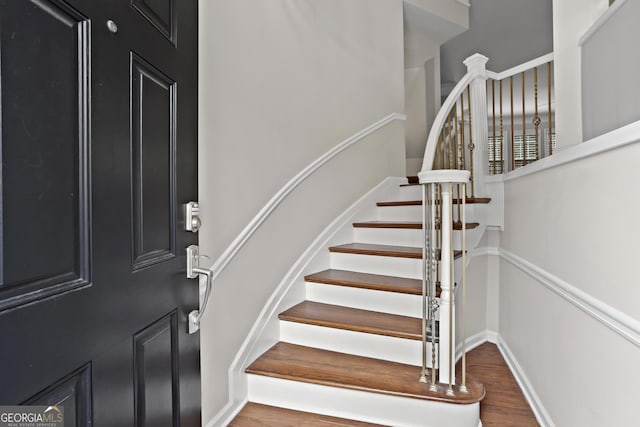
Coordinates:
x,y
376,338
353,349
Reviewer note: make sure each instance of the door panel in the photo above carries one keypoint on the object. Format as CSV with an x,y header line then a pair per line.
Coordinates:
x,y
98,153
153,164
44,226
161,14
156,374
73,393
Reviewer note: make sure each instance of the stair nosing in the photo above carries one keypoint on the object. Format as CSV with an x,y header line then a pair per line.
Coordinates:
x,y
416,252
374,330
398,203
317,278
408,225
328,376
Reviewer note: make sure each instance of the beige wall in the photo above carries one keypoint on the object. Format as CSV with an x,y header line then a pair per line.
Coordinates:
x,y
575,222
571,19
282,82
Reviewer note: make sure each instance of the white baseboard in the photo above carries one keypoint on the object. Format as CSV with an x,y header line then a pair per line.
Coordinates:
x,y
543,417
475,340
226,414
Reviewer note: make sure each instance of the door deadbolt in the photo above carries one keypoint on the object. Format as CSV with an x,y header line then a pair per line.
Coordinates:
x,y
192,220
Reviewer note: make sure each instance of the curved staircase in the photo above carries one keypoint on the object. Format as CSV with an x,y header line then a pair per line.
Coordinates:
x,y
352,349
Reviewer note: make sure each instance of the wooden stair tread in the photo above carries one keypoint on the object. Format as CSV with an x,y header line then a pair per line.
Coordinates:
x,y
353,319
333,369
367,281
413,179
258,415
408,225
382,250
375,282
470,200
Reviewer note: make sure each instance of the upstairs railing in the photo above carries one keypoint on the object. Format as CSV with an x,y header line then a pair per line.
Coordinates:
x,y
482,129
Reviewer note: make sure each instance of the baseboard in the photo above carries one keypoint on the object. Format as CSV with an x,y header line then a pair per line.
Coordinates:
x,y
476,340
226,414
543,417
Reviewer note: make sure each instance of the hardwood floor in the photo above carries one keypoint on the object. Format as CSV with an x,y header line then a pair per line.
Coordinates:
x,y
504,404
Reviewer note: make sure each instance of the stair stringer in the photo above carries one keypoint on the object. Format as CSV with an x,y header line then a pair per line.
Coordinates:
x,y
265,330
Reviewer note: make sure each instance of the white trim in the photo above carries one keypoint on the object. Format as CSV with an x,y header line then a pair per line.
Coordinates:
x,y
520,68
618,138
227,414
237,378
294,182
476,340
464,3
485,250
619,322
444,176
611,10
525,385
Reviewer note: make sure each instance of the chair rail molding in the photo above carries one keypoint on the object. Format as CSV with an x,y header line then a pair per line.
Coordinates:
x,y
614,319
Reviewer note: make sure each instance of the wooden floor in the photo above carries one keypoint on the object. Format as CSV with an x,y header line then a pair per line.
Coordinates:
x,y
504,404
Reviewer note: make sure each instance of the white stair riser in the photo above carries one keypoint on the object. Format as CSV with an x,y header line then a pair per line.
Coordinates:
x,y
400,213
366,299
414,213
401,237
360,405
388,236
394,349
409,192
390,266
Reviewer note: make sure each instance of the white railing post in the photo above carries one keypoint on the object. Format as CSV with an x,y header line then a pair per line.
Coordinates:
x,y
477,66
445,180
447,304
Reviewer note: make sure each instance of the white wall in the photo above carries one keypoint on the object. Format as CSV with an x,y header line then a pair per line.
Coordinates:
x,y
617,103
576,223
508,32
422,93
416,110
282,82
571,19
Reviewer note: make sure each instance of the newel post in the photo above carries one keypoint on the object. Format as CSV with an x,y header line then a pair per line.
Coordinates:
x,y
477,66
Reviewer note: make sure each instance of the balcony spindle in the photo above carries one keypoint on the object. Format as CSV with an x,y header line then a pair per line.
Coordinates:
x,y
501,134
549,142
471,146
536,117
493,128
524,125
513,144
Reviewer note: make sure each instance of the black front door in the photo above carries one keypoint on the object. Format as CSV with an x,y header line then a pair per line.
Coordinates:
x,y
98,120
